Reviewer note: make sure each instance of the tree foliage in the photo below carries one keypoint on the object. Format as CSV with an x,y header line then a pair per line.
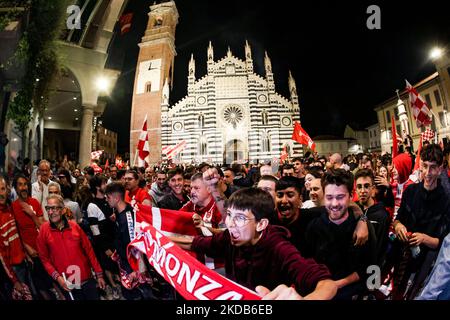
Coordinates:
x,y
38,53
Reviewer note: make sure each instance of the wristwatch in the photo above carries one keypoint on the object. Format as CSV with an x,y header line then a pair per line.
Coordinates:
x,y
363,217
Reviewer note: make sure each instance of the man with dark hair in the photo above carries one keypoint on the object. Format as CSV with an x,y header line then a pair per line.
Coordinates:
x,y
299,168
115,196
228,176
375,212
12,255
291,216
103,231
259,254
329,238
287,170
176,198
159,188
135,194
422,223
29,218
268,183
187,183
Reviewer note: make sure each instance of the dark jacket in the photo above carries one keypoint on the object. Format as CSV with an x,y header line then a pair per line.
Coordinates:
x,y
272,261
380,220
170,201
123,235
425,211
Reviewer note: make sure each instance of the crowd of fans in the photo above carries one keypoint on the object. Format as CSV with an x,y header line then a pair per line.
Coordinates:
x,y
314,227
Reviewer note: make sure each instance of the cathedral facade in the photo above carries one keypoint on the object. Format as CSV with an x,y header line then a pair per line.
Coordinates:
x,y
229,114
232,113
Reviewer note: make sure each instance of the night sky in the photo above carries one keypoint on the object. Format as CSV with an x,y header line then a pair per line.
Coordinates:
x,y
342,69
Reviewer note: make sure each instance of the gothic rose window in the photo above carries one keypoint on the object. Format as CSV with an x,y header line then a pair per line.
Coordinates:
x,y
233,115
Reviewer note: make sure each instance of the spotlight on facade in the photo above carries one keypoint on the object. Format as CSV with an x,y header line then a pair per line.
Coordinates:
x,y
102,84
436,53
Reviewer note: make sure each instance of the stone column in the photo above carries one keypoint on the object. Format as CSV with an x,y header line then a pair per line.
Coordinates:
x,y
86,135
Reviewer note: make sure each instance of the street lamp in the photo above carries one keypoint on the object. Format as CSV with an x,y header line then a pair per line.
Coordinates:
x,y
102,83
436,53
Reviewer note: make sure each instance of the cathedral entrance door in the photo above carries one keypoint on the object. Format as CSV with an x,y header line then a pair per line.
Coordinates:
x,y
234,151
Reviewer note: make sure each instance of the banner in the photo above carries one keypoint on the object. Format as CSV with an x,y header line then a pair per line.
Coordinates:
x,y
191,279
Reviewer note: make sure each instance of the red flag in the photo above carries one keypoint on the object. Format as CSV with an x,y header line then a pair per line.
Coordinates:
x,y
302,137
191,279
125,23
143,148
107,163
421,111
394,138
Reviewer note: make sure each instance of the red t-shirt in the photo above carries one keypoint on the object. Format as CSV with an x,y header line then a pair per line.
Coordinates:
x,y
27,228
10,247
138,196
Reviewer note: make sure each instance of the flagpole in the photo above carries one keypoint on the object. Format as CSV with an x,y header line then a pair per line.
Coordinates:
x,y
440,127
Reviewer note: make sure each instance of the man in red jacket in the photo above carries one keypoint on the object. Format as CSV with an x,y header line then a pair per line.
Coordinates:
x,y
67,254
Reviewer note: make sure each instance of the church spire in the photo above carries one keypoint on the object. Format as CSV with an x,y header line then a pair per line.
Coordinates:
x,y
229,54
248,58
267,64
191,76
293,91
210,62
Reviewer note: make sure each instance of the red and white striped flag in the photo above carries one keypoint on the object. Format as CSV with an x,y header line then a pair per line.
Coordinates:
x,y
189,277
172,151
299,134
143,147
95,155
421,111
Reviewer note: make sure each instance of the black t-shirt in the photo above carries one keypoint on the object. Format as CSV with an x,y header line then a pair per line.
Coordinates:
x,y
299,226
333,245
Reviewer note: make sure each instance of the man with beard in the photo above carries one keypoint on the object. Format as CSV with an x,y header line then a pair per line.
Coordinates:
x,y
29,217
12,254
296,220
421,224
159,187
176,198
39,189
329,238
259,255
134,193
375,212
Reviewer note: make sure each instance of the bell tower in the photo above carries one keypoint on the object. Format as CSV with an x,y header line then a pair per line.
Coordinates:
x,y
155,65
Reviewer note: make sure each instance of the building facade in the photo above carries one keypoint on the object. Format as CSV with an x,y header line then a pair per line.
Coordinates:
x,y
229,114
374,138
433,90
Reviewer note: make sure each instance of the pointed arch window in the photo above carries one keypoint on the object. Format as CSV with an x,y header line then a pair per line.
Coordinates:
x,y
265,117
202,147
265,142
201,121
148,86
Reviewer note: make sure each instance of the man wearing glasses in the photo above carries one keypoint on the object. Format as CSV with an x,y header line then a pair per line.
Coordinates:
x,y
67,254
259,255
